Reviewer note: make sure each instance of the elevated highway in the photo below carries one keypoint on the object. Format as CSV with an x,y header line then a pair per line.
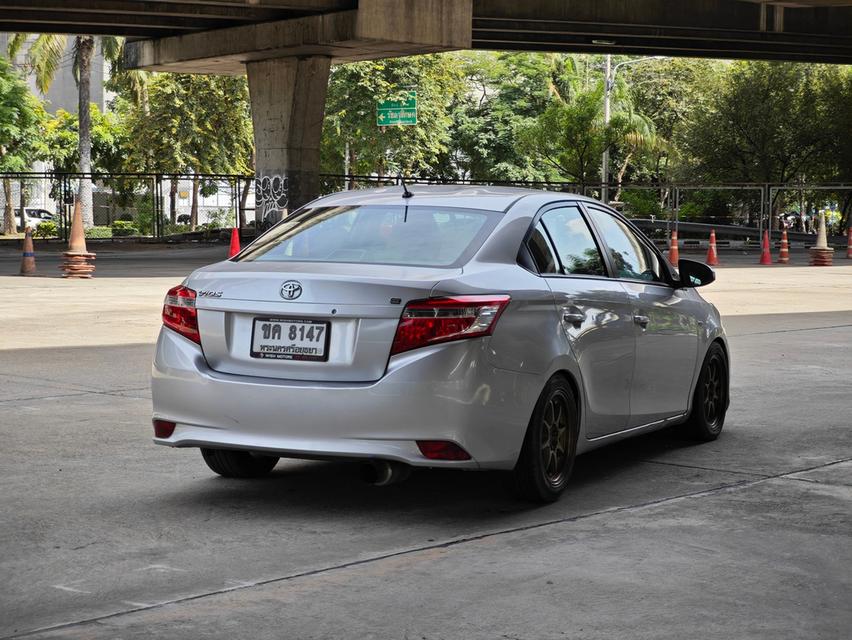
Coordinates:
x,y
286,47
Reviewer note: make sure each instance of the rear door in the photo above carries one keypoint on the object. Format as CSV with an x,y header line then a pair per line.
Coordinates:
x,y
666,330
595,314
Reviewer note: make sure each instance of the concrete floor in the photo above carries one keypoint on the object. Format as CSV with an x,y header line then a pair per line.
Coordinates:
x,y
105,535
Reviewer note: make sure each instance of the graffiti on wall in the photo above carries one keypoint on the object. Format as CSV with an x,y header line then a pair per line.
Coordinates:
x,y
270,194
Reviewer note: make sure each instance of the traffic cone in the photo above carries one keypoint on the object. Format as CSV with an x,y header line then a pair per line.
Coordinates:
x,y
235,243
674,254
784,253
849,243
28,266
821,253
77,258
712,257
765,255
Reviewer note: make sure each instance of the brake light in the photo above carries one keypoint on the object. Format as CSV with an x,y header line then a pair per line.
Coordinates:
x,y
435,320
179,312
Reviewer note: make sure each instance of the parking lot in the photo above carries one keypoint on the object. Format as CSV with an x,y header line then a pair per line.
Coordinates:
x,y
105,535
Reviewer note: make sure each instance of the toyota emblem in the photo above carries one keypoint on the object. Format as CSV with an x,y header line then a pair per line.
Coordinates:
x,y
291,290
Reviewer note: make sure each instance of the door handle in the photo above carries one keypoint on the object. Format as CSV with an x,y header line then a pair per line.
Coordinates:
x,y
572,317
642,321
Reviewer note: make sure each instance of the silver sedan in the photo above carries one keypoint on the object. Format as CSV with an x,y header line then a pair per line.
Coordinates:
x,y
462,327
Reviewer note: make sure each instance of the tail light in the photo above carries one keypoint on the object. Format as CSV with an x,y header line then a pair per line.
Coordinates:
x,y
163,428
442,450
435,320
179,312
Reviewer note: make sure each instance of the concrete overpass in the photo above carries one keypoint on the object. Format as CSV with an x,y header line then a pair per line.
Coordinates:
x,y
287,46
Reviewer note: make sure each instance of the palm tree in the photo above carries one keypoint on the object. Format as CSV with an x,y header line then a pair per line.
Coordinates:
x,y
44,57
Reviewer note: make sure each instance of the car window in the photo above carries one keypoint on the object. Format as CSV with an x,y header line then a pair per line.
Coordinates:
x,y
377,234
631,258
574,242
541,251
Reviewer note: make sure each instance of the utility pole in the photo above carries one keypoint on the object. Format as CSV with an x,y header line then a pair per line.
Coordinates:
x,y
609,84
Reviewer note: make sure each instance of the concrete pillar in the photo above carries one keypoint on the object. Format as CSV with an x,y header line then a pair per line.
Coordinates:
x,y
287,108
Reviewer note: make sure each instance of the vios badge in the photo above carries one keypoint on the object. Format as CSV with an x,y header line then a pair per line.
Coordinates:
x,y
291,290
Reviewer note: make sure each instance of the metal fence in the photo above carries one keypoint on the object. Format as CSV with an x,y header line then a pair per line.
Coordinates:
x,y
163,205
130,204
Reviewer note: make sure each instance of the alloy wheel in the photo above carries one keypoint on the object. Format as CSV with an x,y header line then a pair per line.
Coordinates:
x,y
555,437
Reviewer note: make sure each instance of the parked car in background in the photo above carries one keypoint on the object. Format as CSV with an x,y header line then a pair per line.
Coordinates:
x,y
34,217
455,327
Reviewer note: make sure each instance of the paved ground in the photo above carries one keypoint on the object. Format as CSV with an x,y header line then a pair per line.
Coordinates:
x,y
104,535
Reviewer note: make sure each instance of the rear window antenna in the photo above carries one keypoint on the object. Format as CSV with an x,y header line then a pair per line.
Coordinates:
x,y
405,192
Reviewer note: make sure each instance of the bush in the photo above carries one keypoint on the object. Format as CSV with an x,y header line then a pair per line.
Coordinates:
x,y
706,206
46,230
641,203
99,232
173,229
123,228
219,219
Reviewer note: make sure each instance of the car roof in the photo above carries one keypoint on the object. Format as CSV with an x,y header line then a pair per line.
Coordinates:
x,y
467,196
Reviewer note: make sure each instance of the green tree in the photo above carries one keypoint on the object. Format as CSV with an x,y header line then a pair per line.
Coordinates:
x,y
108,140
44,56
570,136
835,164
507,92
762,126
191,124
670,93
350,117
21,123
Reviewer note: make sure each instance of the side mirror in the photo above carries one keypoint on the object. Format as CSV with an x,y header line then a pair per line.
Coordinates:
x,y
695,274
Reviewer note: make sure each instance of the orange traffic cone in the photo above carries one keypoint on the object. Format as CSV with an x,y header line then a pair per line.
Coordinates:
x,y
235,243
849,244
712,257
765,255
77,257
784,254
28,266
674,254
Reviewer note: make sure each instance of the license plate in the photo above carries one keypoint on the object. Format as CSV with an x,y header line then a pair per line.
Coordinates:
x,y
290,339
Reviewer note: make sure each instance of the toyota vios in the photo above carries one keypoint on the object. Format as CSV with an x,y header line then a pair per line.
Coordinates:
x,y
458,327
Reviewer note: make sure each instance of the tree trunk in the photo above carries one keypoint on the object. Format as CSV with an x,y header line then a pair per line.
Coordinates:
x,y
243,199
173,186
85,51
22,205
620,177
8,211
193,218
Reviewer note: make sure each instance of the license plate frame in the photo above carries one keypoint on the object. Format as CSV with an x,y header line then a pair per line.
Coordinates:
x,y
299,357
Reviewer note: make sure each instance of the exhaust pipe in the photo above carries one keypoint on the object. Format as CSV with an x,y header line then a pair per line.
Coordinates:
x,y
381,473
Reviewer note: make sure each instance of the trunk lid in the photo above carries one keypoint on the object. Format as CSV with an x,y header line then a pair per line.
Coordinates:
x,y
358,304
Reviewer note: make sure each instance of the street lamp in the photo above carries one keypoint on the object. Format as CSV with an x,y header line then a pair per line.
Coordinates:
x,y
609,83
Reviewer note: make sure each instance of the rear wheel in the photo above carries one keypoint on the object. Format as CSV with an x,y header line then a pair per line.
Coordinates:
x,y
710,400
238,464
550,446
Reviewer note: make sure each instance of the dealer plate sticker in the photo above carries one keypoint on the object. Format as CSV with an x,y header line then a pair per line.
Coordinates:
x,y
290,339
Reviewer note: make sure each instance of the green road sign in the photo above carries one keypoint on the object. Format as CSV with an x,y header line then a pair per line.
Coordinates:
x,y
403,112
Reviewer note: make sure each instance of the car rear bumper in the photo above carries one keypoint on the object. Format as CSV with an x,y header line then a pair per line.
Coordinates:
x,y
443,392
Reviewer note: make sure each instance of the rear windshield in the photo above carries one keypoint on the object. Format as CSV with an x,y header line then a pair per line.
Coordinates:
x,y
412,235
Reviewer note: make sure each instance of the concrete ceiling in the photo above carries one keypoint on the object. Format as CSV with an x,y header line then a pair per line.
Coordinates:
x,y
802,30
152,18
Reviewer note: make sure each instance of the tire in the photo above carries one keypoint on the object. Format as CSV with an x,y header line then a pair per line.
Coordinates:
x,y
550,446
238,464
710,399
